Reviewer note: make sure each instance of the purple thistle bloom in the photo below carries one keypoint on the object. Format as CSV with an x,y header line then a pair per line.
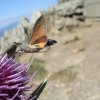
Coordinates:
x,y
13,79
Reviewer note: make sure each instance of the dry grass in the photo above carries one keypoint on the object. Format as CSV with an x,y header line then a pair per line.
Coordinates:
x,y
39,67
67,75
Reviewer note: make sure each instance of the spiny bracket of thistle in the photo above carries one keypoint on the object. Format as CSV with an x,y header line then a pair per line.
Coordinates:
x,y
36,93
11,51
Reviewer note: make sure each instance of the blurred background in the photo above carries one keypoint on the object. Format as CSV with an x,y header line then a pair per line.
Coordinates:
x,y
74,62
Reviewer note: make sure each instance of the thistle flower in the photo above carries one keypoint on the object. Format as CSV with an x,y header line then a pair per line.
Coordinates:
x,y
13,79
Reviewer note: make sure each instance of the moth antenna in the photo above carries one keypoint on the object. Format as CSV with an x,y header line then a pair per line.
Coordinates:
x,y
18,44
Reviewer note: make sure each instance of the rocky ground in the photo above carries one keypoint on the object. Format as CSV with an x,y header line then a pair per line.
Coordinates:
x,y
75,66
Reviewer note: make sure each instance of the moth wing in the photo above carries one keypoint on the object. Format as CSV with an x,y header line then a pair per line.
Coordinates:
x,y
38,33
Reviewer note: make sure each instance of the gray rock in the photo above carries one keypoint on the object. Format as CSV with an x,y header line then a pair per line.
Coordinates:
x,y
20,33
69,7
14,35
60,23
62,1
71,22
34,17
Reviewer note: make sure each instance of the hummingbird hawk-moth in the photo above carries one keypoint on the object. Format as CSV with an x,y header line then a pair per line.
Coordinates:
x,y
36,41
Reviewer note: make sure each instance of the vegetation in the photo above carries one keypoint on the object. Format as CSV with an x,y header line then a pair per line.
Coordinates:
x,y
67,75
39,67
